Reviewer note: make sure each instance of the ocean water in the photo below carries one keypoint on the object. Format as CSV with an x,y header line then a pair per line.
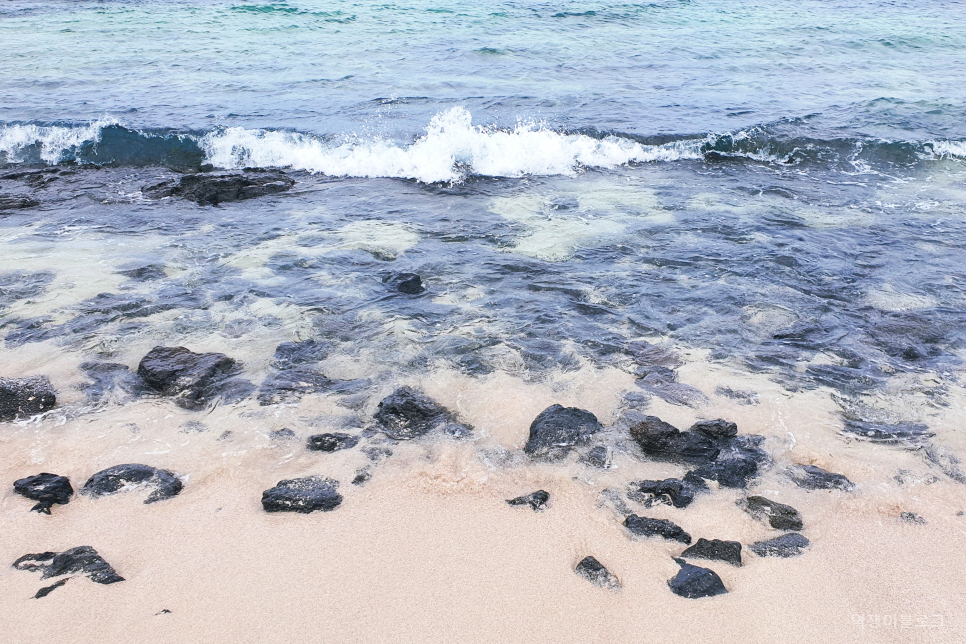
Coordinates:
x,y
690,208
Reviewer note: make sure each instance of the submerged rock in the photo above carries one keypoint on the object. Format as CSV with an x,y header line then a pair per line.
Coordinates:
x,y
213,189
111,380
557,429
694,582
407,283
811,477
595,572
302,495
598,457
778,515
536,500
23,397
645,527
332,442
17,202
406,414
787,545
192,378
729,551
82,560
663,440
46,489
674,492
739,461
115,479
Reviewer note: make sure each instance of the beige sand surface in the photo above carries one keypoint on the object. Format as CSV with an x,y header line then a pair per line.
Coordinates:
x,y
428,551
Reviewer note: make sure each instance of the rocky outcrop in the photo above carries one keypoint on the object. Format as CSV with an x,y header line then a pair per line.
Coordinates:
x,y
646,527
557,429
595,572
811,477
47,489
24,397
674,492
536,500
406,283
729,551
331,442
82,560
211,189
406,414
193,379
694,582
778,515
115,479
302,495
787,545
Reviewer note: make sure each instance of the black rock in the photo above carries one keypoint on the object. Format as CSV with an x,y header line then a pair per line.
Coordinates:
x,y
645,527
739,461
536,500
815,478
213,189
729,551
557,429
80,560
665,441
332,442
674,492
283,434
46,590
406,414
657,382
595,572
912,517
302,495
192,378
892,434
23,397
111,380
598,457
290,385
114,479
407,283
145,273
46,489
362,476
716,429
694,582
779,515
787,545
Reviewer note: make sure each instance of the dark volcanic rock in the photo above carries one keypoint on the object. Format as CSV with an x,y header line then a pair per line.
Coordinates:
x,y
283,434
114,479
665,441
595,572
598,457
891,434
407,283
716,429
787,545
729,551
674,492
557,429
694,582
815,478
912,517
536,500
739,461
111,380
332,442
213,189
145,273
406,414
22,397
80,560
645,527
192,378
46,590
778,515
302,495
46,489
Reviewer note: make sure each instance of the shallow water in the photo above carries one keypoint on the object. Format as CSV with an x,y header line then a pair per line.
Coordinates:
x,y
684,209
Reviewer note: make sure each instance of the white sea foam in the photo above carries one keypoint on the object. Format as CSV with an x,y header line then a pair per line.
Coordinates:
x,y
53,141
950,148
451,149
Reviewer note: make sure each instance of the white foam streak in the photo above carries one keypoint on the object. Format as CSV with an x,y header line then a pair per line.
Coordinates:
x,y
451,148
54,141
949,148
